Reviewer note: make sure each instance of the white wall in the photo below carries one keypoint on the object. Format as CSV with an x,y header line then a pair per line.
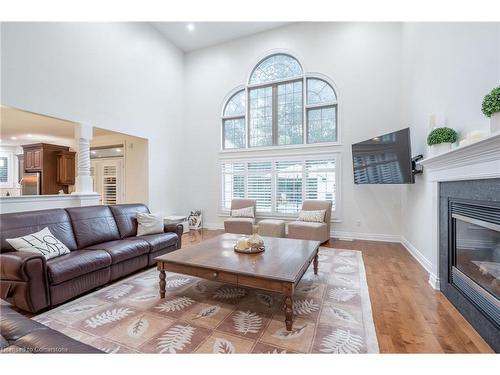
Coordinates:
x,y
363,59
448,68
120,76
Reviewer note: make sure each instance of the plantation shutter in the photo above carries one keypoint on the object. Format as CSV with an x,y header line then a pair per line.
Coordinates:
x,y
260,185
288,186
320,180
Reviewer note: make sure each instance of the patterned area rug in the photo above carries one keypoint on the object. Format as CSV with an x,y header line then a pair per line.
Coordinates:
x,y
332,314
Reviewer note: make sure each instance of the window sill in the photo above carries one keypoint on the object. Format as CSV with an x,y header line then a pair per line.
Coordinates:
x,y
285,217
275,149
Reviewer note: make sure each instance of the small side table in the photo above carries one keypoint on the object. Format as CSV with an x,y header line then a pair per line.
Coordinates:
x,y
178,219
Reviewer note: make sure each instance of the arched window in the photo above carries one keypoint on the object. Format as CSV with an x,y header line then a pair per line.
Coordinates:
x,y
279,113
233,123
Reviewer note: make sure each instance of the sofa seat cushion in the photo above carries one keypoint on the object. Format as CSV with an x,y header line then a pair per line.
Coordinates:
x,y
121,250
75,264
160,241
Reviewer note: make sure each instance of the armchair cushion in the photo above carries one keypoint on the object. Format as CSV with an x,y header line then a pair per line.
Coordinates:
x,y
239,225
313,216
243,212
308,231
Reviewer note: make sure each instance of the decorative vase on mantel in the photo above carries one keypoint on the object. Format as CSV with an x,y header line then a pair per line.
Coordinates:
x,y
440,148
495,123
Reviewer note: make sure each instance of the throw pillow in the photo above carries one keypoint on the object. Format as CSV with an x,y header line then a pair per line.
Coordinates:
x,y
314,216
149,224
243,212
42,242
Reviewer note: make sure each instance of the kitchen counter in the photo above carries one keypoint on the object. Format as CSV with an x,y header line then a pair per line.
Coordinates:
x,y
44,202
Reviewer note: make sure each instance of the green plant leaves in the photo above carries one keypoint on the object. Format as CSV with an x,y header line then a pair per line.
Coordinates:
x,y
491,102
442,135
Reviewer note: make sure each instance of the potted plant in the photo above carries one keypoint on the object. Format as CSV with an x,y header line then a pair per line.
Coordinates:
x,y
491,109
440,140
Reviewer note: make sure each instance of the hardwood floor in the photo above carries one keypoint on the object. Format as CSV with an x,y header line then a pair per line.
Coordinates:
x,y
410,316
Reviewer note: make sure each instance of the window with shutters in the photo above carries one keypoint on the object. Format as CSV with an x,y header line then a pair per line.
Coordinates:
x,y
281,184
6,170
280,106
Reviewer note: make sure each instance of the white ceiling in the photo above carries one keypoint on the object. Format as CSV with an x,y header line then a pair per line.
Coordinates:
x,y
18,127
207,34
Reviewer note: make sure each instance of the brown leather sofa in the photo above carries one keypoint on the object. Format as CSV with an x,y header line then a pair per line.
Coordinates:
x,y
103,245
19,334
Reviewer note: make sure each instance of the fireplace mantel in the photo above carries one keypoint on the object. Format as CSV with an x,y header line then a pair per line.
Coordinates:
x,y
477,160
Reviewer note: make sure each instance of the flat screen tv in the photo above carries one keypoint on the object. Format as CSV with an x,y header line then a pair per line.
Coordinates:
x,y
384,160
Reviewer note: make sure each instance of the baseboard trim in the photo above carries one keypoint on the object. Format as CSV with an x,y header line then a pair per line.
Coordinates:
x,y
424,262
341,235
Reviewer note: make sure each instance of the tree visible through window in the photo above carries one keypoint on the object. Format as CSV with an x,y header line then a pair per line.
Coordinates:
x,y
279,113
279,185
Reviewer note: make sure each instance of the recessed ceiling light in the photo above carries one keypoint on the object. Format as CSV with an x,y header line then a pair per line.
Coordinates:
x,y
118,149
13,138
190,26
29,135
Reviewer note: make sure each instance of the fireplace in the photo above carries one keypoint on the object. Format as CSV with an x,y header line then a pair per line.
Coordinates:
x,y
470,252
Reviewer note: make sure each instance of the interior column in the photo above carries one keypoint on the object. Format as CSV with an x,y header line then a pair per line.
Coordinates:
x,y
83,136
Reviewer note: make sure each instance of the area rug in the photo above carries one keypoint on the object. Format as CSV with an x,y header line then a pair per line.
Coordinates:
x,y
332,314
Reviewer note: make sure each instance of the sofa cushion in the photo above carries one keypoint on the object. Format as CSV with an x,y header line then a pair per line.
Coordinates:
x,y
126,217
93,225
20,224
77,263
42,242
121,250
160,241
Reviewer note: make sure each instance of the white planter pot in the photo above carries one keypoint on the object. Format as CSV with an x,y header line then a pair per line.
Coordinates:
x,y
439,148
495,123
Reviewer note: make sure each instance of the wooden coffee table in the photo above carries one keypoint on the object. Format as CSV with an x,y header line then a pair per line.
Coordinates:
x,y
278,269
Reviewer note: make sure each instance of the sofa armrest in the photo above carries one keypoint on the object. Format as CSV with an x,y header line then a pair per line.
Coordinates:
x,y
20,265
175,228
23,280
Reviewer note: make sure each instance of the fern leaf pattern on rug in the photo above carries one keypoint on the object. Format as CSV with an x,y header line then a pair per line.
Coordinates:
x,y
331,314
108,316
342,294
175,339
305,306
223,346
138,327
247,322
175,304
177,282
342,341
230,293
119,291
208,311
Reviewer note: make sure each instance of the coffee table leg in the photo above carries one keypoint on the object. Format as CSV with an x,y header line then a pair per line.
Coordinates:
x,y
163,283
288,312
315,264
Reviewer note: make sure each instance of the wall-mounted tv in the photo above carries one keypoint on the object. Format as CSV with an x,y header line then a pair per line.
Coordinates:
x,y
385,159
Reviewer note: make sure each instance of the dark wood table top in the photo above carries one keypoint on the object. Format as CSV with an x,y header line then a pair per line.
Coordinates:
x,y
283,260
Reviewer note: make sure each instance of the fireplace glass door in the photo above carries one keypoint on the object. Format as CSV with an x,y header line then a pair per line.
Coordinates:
x,y
477,252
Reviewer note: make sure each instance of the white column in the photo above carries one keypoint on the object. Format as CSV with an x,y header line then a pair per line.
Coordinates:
x,y
83,136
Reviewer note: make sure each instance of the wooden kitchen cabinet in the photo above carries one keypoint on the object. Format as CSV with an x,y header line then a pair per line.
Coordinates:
x,y
66,167
56,165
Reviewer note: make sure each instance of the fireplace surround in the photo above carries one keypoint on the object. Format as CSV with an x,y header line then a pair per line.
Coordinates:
x,y
469,252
